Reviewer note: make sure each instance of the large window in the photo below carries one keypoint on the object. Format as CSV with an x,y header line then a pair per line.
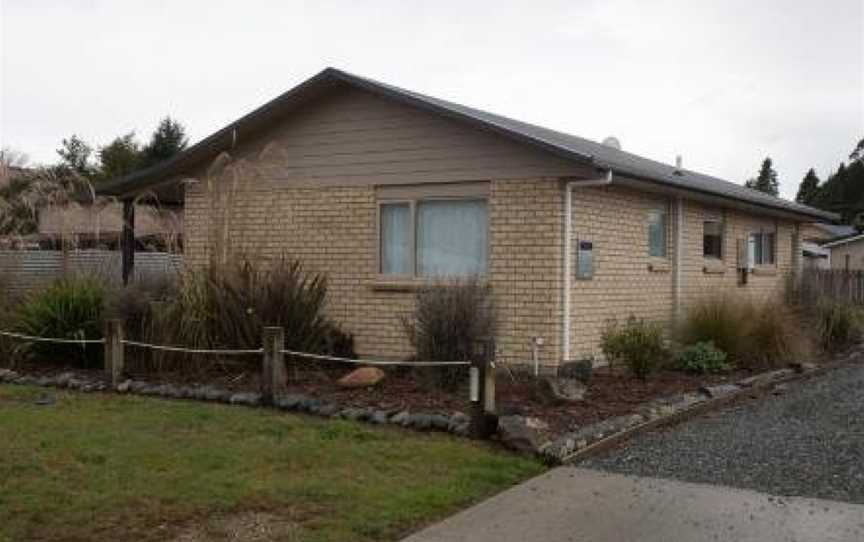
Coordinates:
x,y
657,233
712,238
761,246
433,237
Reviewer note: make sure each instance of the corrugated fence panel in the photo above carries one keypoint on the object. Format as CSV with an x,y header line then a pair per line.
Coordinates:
x,y
24,270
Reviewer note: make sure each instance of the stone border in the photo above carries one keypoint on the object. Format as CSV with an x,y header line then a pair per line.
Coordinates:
x,y
456,423
578,445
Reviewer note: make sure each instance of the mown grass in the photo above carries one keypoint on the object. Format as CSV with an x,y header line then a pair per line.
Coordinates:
x,y
102,467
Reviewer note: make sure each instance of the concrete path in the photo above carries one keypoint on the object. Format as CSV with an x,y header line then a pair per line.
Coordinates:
x,y
573,504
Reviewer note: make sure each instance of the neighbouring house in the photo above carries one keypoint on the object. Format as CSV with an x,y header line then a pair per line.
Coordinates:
x,y
99,223
813,238
846,253
384,189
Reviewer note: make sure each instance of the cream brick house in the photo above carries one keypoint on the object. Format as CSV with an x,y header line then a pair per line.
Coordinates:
x,y
382,189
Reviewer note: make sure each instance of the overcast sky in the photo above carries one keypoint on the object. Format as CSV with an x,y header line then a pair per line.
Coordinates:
x,y
723,83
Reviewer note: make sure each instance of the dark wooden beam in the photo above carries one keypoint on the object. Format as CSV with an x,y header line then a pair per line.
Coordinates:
x,y
127,240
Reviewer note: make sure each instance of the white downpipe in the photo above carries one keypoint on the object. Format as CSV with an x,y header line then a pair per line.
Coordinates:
x,y
568,253
679,241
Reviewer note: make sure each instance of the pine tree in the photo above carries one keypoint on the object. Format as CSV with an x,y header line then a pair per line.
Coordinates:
x,y
75,156
808,190
767,179
168,140
120,157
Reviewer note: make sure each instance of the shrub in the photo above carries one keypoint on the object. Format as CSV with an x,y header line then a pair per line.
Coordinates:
x,y
133,303
777,336
839,325
702,357
71,308
721,321
449,320
638,344
227,306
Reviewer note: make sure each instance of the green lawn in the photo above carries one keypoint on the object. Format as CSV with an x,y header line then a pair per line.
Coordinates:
x,y
104,467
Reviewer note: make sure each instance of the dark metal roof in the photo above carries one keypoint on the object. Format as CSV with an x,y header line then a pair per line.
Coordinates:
x,y
568,146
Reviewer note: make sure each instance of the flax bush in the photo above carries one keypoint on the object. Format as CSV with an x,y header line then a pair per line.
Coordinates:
x,y
449,320
70,308
839,324
637,343
702,357
227,307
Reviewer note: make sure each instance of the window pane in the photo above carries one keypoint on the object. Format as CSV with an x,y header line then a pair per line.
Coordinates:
x,y
396,239
451,237
657,234
756,248
768,250
712,239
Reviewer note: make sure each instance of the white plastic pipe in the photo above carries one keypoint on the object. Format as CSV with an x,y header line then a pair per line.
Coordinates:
x,y
568,253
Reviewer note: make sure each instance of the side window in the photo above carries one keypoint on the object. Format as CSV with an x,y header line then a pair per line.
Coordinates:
x,y
657,234
712,238
762,247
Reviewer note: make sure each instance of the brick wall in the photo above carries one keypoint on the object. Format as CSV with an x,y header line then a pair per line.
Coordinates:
x,y
332,230
627,281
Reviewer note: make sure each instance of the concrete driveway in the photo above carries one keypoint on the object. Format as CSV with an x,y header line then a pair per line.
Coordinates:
x,y
584,505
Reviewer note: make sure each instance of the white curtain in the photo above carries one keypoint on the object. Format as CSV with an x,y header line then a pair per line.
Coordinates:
x,y
452,237
395,239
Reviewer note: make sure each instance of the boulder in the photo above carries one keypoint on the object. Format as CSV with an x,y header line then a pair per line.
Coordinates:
x,y
363,377
123,387
719,390
560,390
523,434
400,418
580,370
249,399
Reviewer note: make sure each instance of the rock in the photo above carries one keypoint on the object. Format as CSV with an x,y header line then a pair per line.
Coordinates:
x,y
7,374
803,367
45,381
379,417
288,402
328,410
522,433
400,418
215,394
560,390
457,419
764,378
138,386
308,404
26,380
124,386
580,370
440,422
45,400
719,390
358,414
63,379
420,421
462,430
363,377
248,399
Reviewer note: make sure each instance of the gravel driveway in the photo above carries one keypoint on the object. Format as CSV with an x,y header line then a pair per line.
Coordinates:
x,y
807,441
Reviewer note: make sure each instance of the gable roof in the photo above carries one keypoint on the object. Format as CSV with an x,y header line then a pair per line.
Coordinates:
x,y
567,146
843,240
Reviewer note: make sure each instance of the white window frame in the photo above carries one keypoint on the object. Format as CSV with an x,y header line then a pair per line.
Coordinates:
x,y
414,195
663,212
767,241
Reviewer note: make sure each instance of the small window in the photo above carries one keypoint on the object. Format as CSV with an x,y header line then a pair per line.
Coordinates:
x,y
433,237
657,233
712,239
762,248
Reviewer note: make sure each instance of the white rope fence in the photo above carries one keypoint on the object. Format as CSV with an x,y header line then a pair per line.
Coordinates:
x,y
24,337
183,349
375,361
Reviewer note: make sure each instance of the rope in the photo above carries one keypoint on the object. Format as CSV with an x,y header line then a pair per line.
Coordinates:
x,y
193,350
375,362
50,339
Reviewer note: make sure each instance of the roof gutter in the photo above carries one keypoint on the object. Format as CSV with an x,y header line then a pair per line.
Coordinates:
x,y
567,258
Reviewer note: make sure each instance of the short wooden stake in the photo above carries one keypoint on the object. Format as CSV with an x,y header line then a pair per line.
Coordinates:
x,y
273,378
114,351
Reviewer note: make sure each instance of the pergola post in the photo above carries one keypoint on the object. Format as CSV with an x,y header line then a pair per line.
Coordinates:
x,y
127,240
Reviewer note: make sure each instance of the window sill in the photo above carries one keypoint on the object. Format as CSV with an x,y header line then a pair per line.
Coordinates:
x,y
714,268
659,266
765,271
408,284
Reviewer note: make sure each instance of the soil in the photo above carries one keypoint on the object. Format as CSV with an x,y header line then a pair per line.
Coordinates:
x,y
610,392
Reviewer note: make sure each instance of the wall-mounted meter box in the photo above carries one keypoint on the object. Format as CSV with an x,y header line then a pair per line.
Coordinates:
x,y
584,260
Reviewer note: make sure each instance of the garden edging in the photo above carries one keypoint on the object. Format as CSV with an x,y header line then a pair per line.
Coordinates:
x,y
456,423
576,446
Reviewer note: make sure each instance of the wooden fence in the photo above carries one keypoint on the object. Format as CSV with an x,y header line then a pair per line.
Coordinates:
x,y
834,284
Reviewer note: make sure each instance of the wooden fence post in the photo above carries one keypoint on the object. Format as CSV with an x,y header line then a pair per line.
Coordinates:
x,y
482,384
114,351
273,376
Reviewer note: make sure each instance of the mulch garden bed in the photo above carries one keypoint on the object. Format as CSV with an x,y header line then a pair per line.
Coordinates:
x,y
610,392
